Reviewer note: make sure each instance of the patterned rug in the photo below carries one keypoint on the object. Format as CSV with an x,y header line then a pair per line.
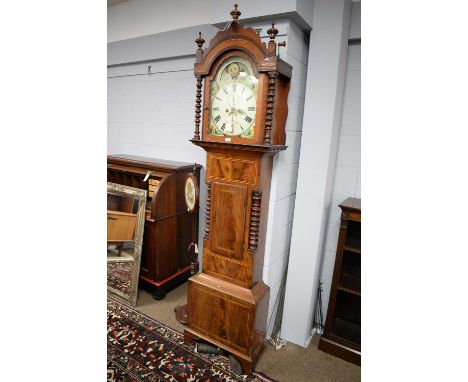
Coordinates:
x,y
140,349
119,275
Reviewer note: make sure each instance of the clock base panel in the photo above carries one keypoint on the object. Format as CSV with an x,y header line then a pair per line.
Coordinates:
x,y
228,316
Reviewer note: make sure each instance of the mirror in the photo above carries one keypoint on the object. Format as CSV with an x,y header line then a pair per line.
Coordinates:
x,y
125,223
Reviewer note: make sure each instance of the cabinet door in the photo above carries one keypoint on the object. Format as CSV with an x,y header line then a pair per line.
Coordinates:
x,y
228,219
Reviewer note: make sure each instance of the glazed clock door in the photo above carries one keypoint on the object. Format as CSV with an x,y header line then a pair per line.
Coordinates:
x,y
228,219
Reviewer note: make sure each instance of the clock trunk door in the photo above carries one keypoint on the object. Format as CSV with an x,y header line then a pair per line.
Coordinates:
x,y
228,219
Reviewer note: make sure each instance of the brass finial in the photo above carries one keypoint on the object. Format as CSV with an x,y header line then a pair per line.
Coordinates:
x,y
272,32
199,40
235,13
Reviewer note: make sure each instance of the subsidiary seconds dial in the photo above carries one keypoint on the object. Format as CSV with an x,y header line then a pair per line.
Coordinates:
x,y
233,109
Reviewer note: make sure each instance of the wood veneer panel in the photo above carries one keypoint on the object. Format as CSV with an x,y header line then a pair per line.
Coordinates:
x,y
224,168
228,219
227,313
235,271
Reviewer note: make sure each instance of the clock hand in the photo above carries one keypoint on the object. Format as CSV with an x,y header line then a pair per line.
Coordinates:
x,y
232,122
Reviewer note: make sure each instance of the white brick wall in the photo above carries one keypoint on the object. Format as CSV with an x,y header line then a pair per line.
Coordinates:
x,y
347,181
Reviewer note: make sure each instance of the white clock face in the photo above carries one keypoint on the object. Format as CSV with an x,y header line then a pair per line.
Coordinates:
x,y
190,194
233,99
233,109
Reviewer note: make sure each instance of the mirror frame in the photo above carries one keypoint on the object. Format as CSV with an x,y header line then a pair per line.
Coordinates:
x,y
140,195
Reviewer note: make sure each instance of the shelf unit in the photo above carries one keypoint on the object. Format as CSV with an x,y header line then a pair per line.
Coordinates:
x,y
342,334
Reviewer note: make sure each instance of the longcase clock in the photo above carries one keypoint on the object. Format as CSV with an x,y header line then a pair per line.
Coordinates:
x,y
244,86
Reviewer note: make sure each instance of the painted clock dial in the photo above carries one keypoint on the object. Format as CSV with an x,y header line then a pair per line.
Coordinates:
x,y
191,192
233,99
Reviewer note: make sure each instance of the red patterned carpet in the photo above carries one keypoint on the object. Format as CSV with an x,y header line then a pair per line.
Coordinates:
x,y
119,275
142,349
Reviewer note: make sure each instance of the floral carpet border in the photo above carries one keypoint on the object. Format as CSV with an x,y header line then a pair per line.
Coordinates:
x,y
140,349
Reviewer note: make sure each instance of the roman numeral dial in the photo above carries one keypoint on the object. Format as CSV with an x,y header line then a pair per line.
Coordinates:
x,y
233,109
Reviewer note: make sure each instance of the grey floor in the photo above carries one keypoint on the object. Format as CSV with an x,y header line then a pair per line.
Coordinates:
x,y
290,363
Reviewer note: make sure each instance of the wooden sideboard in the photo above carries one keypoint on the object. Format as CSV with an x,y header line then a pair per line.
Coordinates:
x,y
169,227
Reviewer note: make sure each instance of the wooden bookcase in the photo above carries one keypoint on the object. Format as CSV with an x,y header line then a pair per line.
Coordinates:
x,y
342,334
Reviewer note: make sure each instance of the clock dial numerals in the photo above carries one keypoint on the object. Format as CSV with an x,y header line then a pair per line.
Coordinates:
x,y
233,114
233,99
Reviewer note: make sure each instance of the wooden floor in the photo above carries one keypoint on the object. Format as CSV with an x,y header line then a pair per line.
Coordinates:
x,y
290,363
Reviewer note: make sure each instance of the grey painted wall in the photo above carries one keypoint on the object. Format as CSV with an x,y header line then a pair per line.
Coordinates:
x,y
138,18
322,113
347,179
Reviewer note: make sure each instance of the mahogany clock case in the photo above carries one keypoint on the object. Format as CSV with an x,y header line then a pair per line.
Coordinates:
x,y
228,301
273,76
169,228
279,107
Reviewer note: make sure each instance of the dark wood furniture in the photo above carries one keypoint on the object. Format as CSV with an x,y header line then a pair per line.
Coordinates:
x,y
342,334
169,227
228,301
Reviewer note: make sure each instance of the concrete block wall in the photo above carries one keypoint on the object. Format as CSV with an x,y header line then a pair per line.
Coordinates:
x,y
286,163
153,115
326,74
347,180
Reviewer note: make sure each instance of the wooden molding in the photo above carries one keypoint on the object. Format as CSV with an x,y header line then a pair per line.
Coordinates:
x,y
273,149
198,97
207,211
254,221
269,108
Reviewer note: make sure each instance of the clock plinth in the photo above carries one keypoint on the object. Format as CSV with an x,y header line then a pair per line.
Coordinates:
x,y
229,316
245,88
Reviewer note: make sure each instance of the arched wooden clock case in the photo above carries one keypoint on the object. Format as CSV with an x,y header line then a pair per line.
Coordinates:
x,y
228,301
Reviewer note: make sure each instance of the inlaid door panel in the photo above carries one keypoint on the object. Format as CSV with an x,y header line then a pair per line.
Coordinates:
x,y
228,219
